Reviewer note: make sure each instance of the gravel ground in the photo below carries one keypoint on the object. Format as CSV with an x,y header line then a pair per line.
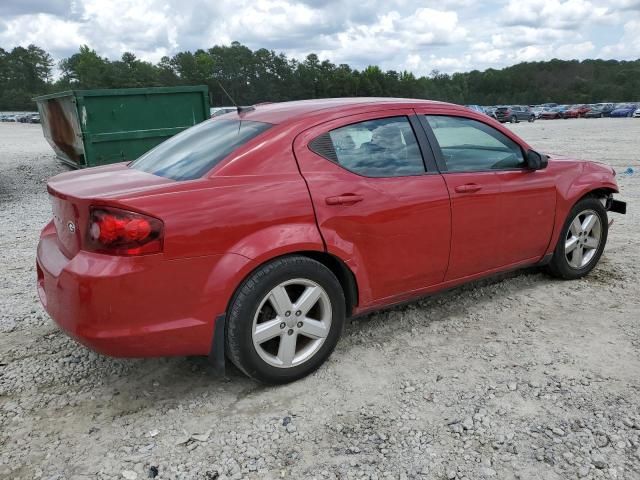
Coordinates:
x,y
519,377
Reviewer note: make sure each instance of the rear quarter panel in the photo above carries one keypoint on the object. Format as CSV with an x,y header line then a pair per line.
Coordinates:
x,y
235,220
257,205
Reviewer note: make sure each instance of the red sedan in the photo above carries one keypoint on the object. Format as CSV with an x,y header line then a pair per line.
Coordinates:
x,y
254,235
577,111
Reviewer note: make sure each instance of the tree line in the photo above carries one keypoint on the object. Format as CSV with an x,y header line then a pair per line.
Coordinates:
x,y
253,76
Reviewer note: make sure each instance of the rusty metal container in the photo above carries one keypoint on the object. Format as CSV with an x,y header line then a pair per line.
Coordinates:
x,y
87,128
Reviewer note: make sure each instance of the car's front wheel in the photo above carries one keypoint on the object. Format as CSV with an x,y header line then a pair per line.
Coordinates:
x,y
532,118
581,241
285,320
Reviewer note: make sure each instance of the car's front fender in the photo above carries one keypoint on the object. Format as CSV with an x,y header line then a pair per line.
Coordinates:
x,y
576,180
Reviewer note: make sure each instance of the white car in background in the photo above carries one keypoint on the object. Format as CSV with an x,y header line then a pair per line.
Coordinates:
x,y
540,110
636,114
217,111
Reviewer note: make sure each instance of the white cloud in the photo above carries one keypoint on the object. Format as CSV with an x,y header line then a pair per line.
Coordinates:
x,y
450,35
60,35
628,47
569,14
632,5
577,51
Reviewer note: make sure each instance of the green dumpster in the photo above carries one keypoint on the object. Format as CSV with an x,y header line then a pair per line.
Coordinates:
x,y
96,127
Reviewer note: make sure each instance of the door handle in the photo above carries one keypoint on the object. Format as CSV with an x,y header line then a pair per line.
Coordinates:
x,y
345,199
468,188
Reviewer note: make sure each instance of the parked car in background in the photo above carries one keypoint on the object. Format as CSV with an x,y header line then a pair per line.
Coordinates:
x,y
514,114
636,114
217,111
571,112
476,108
577,111
257,234
553,113
34,118
490,111
538,111
600,110
25,117
625,110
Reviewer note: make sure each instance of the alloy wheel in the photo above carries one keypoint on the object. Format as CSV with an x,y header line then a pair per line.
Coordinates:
x,y
291,323
583,239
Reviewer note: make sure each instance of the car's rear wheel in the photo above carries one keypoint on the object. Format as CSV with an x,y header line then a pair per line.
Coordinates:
x,y
285,320
513,119
532,118
581,241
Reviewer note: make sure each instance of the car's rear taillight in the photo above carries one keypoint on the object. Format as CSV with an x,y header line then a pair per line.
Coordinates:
x,y
119,232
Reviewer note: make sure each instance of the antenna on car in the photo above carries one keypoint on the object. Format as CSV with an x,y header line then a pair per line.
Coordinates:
x,y
240,109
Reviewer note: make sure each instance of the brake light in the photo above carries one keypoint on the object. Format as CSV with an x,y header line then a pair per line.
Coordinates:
x,y
120,232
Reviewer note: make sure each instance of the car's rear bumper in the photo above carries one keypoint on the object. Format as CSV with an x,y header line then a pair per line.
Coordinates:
x,y
131,306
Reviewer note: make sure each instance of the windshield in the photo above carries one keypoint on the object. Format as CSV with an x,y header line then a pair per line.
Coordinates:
x,y
194,152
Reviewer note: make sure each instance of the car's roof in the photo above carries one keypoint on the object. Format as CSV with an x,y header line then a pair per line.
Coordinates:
x,y
299,109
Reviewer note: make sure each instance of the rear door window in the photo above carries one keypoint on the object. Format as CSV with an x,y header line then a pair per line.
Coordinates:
x,y
192,153
384,147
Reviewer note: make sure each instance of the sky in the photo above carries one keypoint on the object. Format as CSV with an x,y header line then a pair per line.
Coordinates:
x,y
447,35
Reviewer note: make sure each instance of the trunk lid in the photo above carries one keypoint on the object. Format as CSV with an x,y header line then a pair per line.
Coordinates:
x,y
73,193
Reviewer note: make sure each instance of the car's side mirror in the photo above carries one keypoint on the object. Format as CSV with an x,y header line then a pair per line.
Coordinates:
x,y
536,161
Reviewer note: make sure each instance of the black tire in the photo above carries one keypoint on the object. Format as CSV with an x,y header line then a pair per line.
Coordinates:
x,y
532,118
513,119
559,266
246,301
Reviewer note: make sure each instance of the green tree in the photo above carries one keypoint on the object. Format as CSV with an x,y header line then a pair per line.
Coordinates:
x,y
262,75
24,73
85,69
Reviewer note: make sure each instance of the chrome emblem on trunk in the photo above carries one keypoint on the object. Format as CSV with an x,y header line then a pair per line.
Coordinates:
x,y
72,227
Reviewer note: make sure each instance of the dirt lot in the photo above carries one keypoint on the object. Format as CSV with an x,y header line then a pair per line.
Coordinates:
x,y
521,377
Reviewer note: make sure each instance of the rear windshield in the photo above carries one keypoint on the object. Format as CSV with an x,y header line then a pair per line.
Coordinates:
x,y
194,152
